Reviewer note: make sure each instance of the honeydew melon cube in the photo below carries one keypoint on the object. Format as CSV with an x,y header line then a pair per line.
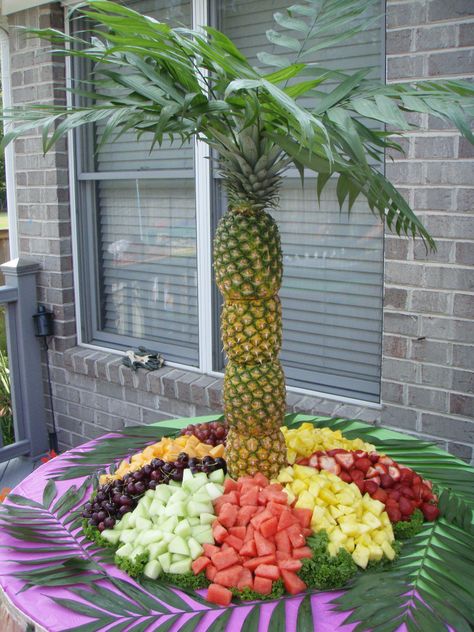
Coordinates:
x,y
388,550
150,536
169,525
167,537
140,511
150,493
128,535
125,550
157,548
174,484
143,524
195,549
196,508
156,508
204,518
152,569
217,476
175,508
178,545
361,555
132,520
204,537
194,520
163,493
179,494
201,496
138,550
183,529
187,476
213,491
176,557
145,502
376,552
111,535
372,521
165,561
181,568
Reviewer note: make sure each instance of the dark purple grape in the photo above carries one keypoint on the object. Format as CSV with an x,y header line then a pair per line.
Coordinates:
x,y
152,485
208,460
86,514
94,522
220,462
155,475
167,468
110,507
147,470
116,498
124,509
131,488
101,516
183,457
176,475
101,526
109,523
206,469
193,462
156,463
138,475
140,487
100,497
96,506
88,506
125,500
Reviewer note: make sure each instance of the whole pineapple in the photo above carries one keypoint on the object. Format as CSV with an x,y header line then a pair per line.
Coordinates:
x,y
248,267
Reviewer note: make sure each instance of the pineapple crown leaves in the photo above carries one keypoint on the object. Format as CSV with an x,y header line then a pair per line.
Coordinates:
x,y
178,83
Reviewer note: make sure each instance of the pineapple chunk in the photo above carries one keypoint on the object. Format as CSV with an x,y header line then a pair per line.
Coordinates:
x,y
345,497
338,537
361,555
285,475
298,486
335,511
376,552
387,549
369,519
333,548
379,537
349,545
305,501
350,528
318,515
328,497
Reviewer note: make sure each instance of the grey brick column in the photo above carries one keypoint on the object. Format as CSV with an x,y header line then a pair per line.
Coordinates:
x,y
427,385
43,215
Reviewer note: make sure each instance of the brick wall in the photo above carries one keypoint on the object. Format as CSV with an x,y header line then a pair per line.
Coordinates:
x,y
427,385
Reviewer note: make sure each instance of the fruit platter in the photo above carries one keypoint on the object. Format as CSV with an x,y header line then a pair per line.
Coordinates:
x,y
146,530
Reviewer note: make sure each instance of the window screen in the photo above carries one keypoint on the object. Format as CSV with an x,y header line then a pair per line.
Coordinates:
x,y
333,263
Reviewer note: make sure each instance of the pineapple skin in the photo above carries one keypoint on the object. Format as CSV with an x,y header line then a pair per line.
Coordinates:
x,y
248,267
247,455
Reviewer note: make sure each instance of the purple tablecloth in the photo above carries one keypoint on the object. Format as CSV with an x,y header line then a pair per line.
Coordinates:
x,y
37,603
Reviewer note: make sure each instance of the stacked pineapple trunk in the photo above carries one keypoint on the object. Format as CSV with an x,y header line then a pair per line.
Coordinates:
x,y
248,266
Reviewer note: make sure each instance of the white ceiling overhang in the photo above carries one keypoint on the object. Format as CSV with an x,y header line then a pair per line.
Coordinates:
x,y
7,7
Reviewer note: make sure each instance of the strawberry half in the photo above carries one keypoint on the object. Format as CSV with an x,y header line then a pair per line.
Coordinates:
x,y
345,459
329,464
394,472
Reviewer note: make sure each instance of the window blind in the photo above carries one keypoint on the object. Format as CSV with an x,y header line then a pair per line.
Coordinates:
x,y
145,225
333,263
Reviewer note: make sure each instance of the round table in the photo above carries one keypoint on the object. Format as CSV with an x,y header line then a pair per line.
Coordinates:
x,y
87,592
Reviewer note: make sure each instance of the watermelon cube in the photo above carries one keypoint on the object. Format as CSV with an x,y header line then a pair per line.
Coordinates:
x,y
239,532
211,571
245,579
293,584
270,571
200,564
262,585
301,552
226,558
234,542
219,533
245,514
219,595
264,546
228,515
269,527
256,561
290,565
282,541
297,539
230,485
210,549
229,576
304,516
249,549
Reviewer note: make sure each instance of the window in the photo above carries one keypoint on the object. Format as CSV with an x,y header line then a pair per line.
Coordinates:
x,y
141,236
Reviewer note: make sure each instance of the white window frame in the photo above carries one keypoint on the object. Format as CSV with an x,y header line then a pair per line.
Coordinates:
x,y
200,13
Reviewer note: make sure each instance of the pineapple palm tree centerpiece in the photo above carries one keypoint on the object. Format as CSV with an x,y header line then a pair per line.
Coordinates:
x,y
178,83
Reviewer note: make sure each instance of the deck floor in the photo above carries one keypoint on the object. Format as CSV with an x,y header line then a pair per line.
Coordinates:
x,y
15,470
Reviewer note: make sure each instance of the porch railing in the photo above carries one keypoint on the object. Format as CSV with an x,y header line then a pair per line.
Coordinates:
x,y
24,355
